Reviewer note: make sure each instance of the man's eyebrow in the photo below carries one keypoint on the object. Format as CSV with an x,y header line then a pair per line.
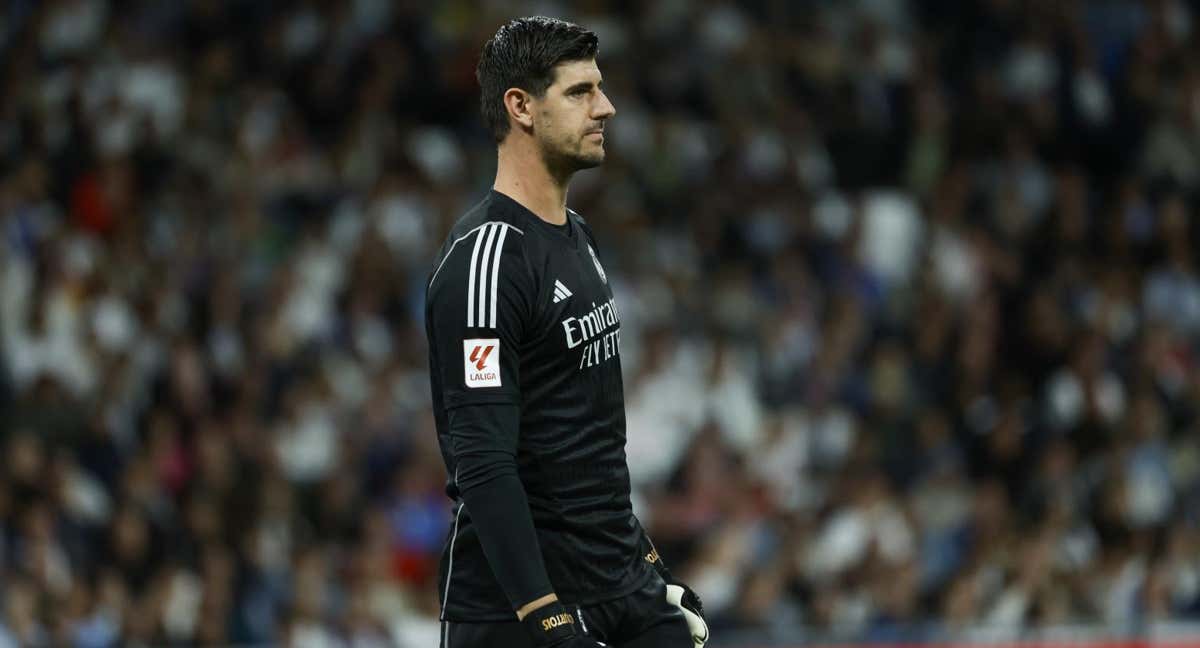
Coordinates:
x,y
582,85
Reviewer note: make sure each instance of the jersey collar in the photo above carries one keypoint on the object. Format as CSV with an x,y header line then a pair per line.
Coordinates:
x,y
566,233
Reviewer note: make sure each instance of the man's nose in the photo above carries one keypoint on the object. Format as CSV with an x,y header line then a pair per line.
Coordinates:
x,y
603,108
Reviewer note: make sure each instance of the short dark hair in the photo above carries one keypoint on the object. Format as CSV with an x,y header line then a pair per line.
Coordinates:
x,y
522,54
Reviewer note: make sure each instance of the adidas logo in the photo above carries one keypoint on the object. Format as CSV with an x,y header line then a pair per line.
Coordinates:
x,y
560,291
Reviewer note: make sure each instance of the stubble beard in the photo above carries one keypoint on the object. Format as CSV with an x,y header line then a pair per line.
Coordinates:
x,y
561,158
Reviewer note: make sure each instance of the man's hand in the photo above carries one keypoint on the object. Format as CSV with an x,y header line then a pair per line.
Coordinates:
x,y
678,594
554,626
688,602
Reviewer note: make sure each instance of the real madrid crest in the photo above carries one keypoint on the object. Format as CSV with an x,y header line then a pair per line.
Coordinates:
x,y
599,268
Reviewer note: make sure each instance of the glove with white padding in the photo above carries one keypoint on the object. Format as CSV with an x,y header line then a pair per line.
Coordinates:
x,y
679,595
688,602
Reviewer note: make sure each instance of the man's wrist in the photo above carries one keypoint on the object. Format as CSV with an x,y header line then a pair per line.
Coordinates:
x,y
535,605
550,624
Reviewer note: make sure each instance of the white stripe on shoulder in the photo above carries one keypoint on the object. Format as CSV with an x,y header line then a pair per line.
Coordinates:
x,y
484,264
471,280
496,275
460,240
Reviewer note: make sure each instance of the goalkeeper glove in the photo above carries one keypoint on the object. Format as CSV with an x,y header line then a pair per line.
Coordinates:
x,y
678,594
552,626
688,602
684,598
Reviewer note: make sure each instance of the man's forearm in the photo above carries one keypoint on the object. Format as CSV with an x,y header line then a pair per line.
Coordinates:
x,y
484,442
534,606
499,511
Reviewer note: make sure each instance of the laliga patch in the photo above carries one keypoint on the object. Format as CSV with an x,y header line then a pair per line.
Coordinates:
x,y
482,363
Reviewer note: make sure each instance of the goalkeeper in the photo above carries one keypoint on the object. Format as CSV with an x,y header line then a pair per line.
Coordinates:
x,y
525,371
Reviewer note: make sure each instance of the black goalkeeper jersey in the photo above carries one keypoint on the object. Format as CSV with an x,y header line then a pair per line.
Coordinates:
x,y
520,312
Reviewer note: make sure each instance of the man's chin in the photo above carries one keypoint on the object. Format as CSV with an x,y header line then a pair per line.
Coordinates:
x,y
589,161
573,162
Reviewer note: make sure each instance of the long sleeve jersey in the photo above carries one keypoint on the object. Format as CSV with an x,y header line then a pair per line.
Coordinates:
x,y
525,371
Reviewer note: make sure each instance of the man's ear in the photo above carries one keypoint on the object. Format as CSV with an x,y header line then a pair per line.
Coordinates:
x,y
519,105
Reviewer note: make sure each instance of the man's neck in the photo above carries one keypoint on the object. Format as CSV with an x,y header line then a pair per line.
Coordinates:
x,y
521,174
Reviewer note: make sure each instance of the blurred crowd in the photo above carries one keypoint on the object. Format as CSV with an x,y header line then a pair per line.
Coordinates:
x,y
909,294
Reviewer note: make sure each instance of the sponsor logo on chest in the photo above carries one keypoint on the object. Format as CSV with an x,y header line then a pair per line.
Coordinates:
x,y
597,333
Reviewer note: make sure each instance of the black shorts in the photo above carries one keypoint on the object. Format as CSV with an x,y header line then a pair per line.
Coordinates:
x,y
643,619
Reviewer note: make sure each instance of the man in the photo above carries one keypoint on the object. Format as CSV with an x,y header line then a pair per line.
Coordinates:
x,y
524,342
